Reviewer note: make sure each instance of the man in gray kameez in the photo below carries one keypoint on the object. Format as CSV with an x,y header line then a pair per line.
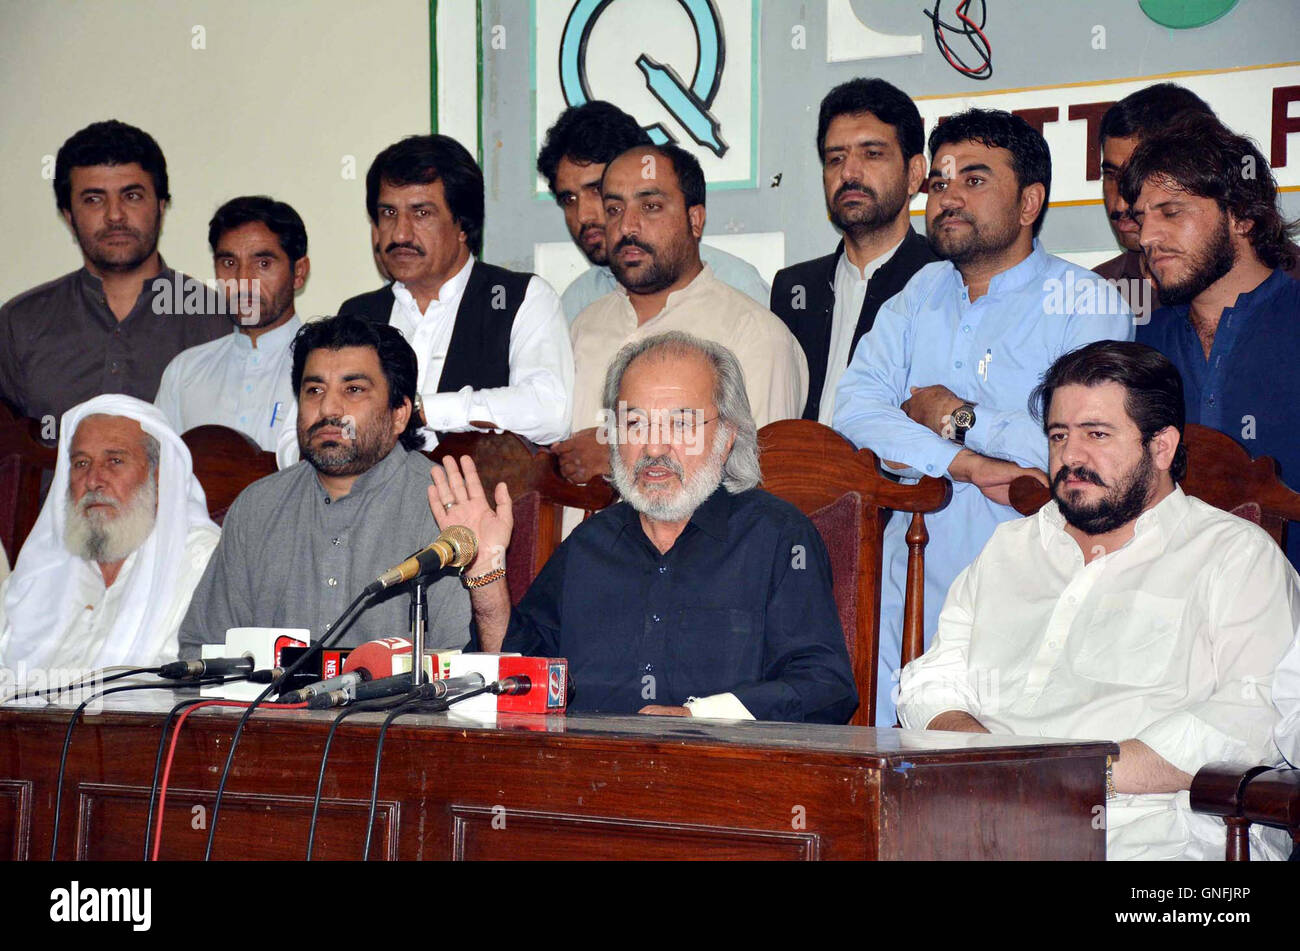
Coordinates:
x,y
299,545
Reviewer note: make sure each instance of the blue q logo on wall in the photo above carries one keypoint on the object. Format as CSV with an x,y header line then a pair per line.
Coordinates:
x,y
686,69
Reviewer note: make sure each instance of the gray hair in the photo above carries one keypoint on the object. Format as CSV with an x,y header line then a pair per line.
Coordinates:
x,y
740,471
152,452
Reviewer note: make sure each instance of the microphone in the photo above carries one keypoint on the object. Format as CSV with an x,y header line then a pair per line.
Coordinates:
x,y
391,687
345,682
517,686
455,547
212,667
437,689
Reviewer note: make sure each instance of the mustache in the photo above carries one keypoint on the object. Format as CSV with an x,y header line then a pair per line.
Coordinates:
x,y
856,187
331,422
403,246
663,462
95,497
631,242
1080,472
959,215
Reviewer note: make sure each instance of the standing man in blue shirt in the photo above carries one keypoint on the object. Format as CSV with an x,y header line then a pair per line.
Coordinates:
x,y
1217,246
941,384
582,142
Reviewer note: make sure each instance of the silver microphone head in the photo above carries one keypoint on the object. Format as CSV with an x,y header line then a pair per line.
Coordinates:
x,y
463,544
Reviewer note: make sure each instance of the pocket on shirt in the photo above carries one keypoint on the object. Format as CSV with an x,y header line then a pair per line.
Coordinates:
x,y
716,648
1130,639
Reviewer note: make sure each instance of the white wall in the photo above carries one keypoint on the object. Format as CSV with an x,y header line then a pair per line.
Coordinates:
x,y
284,91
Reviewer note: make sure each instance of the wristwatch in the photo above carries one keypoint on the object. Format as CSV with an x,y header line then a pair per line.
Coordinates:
x,y
963,418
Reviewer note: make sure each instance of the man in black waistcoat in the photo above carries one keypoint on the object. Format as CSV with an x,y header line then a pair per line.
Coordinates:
x,y
493,345
870,141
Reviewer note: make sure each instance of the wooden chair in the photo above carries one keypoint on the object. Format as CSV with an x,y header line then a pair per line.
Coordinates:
x,y
24,461
537,490
225,462
1222,473
842,490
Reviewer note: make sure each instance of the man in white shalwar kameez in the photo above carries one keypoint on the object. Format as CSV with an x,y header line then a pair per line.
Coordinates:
x,y
1124,611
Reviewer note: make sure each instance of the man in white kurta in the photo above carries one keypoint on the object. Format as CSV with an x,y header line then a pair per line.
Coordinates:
x,y
241,381
1123,610
64,611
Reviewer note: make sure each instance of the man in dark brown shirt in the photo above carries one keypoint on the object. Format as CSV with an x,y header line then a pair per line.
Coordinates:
x,y
113,325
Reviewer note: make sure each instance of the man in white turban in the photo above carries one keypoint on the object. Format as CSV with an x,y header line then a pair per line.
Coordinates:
x,y
106,575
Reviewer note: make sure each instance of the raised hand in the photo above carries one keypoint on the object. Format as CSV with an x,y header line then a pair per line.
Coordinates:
x,y
460,500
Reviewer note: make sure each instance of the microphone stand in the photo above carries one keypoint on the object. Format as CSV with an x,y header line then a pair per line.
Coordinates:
x,y
419,623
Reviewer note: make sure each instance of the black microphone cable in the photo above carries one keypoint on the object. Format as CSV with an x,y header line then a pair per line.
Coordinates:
x,y
84,682
382,703
340,626
157,764
67,743
257,676
409,706
413,703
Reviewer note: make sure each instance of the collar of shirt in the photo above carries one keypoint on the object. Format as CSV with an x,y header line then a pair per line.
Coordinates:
x,y
271,343
1013,278
699,285
710,517
93,287
372,480
1154,526
1258,298
448,295
846,270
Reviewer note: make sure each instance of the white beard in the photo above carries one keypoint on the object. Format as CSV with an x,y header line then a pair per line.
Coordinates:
x,y
96,537
657,506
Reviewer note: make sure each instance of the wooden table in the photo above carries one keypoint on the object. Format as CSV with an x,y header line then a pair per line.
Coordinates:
x,y
585,787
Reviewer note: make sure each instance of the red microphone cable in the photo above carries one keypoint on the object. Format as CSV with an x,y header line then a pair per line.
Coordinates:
x,y
171,751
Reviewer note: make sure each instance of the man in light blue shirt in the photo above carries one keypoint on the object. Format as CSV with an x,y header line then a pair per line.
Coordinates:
x,y
583,140
940,385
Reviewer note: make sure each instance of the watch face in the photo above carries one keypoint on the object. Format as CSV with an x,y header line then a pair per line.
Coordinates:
x,y
963,417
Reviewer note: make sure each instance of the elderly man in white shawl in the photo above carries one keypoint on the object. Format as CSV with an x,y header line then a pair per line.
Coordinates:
x,y
106,575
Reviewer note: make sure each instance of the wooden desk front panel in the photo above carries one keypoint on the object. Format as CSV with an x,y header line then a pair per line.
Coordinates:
x,y
449,793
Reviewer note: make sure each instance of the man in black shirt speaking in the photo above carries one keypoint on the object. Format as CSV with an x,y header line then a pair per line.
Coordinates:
x,y
698,594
